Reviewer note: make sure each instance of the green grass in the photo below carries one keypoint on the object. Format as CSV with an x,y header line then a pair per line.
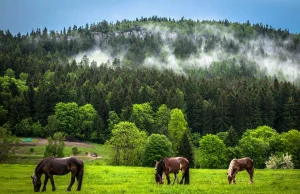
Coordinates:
x,y
15,178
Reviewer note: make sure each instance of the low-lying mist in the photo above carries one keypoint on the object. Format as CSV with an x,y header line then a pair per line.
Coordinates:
x,y
213,43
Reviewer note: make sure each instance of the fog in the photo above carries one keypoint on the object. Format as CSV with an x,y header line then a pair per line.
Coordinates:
x,y
270,56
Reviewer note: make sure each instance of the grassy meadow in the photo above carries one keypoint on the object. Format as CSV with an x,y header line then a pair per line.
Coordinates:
x,y
101,178
15,178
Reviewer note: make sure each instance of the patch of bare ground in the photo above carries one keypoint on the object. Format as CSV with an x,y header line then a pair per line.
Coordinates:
x,y
41,141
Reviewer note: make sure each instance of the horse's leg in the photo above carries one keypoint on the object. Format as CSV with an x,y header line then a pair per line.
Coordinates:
x,y
45,183
250,172
234,175
72,181
52,182
175,177
168,177
79,179
183,171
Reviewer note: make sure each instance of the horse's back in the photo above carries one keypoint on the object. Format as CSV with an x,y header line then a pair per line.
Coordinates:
x,y
245,163
176,163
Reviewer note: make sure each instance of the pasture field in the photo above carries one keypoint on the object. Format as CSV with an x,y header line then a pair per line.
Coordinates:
x,y
101,179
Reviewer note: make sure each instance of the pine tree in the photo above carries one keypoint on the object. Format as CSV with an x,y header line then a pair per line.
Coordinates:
x,y
185,149
232,138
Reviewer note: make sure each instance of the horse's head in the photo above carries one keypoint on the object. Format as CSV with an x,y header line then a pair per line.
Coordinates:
x,y
229,176
36,183
158,179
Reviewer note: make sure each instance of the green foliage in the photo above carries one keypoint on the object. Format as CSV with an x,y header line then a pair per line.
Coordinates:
x,y
36,75
195,138
177,127
254,148
162,119
8,144
55,145
257,144
27,128
186,149
232,138
128,143
291,141
184,47
75,121
222,135
3,115
143,116
52,126
157,147
113,119
67,115
212,152
75,151
87,117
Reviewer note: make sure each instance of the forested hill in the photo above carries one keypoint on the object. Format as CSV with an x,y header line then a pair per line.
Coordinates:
x,y
219,73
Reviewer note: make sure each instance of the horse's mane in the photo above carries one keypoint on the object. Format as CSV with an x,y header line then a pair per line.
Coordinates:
x,y
231,165
160,167
41,162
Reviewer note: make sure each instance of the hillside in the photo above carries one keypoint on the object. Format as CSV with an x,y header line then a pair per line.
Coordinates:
x,y
219,73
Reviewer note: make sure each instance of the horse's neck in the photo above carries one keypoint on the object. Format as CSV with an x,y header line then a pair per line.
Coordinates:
x,y
39,168
231,166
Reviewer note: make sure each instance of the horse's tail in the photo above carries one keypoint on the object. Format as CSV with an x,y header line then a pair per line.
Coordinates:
x,y
187,175
252,166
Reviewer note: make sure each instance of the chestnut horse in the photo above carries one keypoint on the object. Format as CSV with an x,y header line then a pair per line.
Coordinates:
x,y
237,165
172,165
58,166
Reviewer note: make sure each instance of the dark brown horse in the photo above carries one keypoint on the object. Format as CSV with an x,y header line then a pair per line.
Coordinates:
x,y
237,165
172,165
58,166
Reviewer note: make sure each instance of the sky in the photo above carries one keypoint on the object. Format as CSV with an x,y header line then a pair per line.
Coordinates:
x,y
24,15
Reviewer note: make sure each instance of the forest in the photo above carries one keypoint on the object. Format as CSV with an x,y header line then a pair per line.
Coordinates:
x,y
184,81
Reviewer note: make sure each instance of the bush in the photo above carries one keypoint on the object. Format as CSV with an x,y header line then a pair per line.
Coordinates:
x,y
276,162
7,142
55,146
157,147
212,152
75,151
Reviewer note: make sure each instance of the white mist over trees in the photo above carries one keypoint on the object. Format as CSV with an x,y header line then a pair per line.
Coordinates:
x,y
201,45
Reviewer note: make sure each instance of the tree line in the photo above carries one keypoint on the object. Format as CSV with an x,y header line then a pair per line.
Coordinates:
x,y
43,90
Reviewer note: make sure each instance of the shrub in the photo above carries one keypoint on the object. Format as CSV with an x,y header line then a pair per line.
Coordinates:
x,y
276,162
55,146
75,151
7,144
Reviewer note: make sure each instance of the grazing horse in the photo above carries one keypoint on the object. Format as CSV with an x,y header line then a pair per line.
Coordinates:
x,y
237,165
172,165
58,166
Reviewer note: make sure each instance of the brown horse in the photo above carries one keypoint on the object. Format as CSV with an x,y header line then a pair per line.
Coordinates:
x,y
237,165
58,166
172,165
